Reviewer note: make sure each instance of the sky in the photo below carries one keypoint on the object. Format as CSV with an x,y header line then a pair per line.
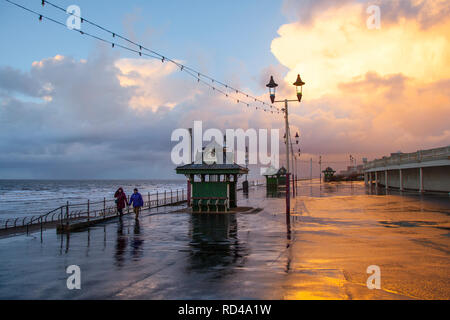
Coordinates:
x,y
74,108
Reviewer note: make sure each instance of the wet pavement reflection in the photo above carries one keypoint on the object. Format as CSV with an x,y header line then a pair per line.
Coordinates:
x,y
321,252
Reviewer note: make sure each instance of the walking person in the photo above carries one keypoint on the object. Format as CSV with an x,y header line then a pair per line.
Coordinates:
x,y
121,200
137,201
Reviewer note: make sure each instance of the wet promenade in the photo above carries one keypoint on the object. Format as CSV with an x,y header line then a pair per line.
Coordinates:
x,y
336,232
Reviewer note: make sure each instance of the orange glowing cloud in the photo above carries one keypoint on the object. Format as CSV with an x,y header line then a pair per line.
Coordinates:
x,y
150,79
337,47
369,91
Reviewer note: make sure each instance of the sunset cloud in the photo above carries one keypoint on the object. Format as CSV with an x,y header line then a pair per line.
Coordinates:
x,y
369,91
152,83
337,47
104,117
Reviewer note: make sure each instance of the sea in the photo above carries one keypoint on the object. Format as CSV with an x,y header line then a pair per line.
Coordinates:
x,y
20,198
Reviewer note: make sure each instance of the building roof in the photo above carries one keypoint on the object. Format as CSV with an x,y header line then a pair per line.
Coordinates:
x,y
207,162
271,171
215,168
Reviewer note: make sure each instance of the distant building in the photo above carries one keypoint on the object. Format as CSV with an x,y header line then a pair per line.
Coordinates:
x,y
353,170
423,170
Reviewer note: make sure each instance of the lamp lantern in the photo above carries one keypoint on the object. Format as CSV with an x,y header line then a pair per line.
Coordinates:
x,y
299,86
272,89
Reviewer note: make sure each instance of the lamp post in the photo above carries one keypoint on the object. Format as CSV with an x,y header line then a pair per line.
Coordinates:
x,y
297,137
320,169
272,92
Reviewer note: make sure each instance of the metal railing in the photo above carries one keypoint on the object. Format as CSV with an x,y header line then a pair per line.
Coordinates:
x,y
406,158
93,210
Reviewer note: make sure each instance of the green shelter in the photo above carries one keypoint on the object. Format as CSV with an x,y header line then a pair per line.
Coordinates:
x,y
328,174
213,185
275,177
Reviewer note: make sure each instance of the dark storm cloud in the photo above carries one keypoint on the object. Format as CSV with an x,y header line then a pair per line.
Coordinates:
x,y
15,81
88,129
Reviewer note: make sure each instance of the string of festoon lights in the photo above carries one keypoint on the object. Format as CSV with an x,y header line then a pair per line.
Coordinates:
x,y
226,90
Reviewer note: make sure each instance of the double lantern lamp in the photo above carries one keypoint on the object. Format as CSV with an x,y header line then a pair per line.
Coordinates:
x,y
272,85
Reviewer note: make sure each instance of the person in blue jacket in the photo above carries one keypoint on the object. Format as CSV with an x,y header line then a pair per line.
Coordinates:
x,y
137,201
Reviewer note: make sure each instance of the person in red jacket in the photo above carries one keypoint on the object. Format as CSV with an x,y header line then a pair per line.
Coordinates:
x,y
121,200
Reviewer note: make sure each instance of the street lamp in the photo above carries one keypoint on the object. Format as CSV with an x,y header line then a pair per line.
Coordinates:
x,y
272,89
299,87
272,85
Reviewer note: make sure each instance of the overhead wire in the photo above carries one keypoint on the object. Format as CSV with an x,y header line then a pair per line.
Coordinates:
x,y
142,50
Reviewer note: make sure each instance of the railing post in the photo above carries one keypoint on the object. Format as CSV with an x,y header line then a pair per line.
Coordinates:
x,y
88,211
165,197
189,192
104,208
128,207
177,196
67,213
149,202
157,201
421,180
